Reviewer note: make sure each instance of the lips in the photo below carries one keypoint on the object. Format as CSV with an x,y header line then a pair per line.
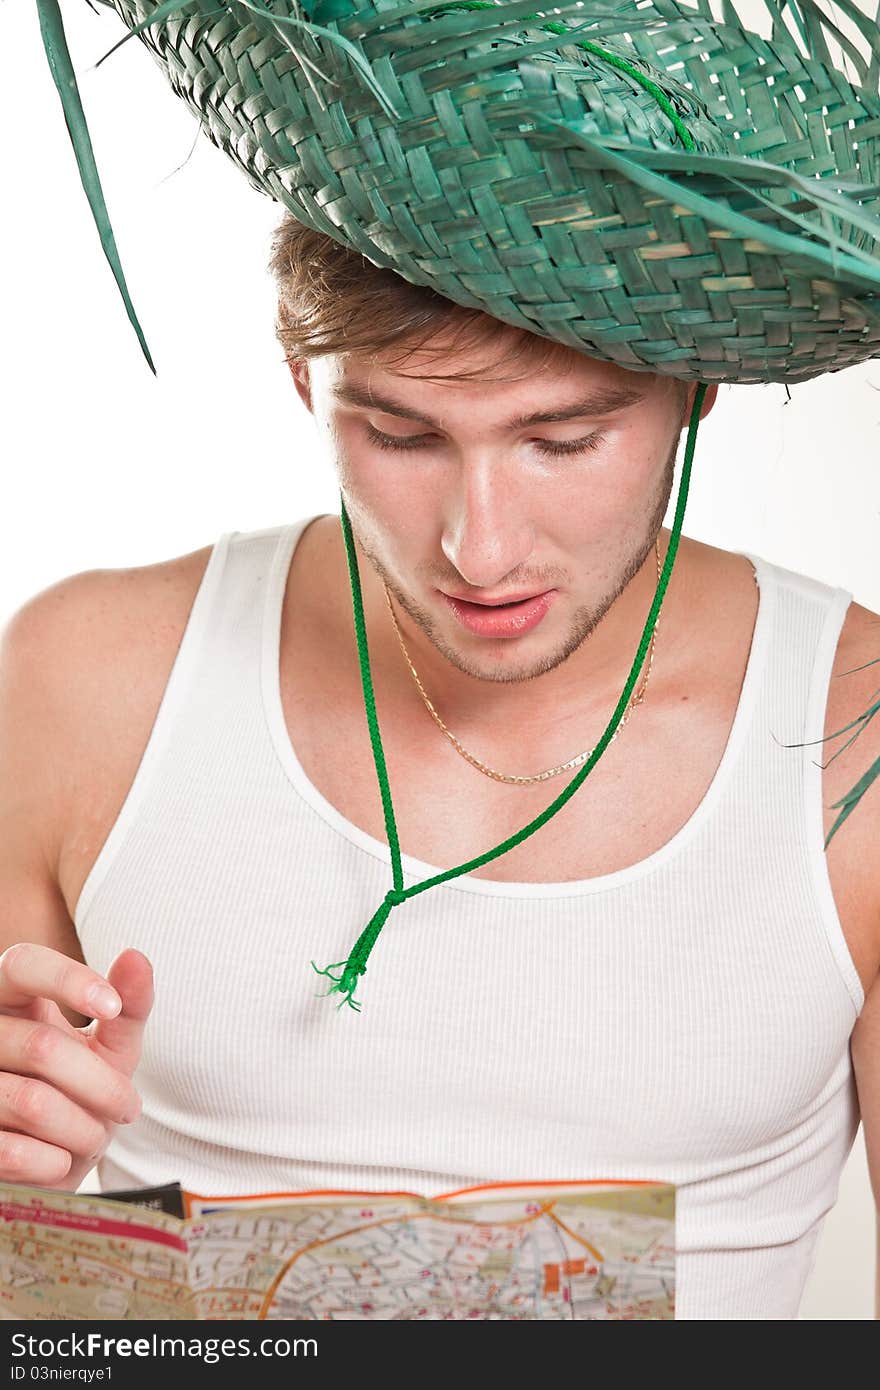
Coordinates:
x,y
501,620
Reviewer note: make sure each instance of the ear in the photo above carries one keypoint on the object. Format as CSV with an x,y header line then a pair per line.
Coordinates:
x,y
708,401
299,370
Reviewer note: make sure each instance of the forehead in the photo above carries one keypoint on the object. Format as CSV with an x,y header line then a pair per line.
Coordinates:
x,y
582,387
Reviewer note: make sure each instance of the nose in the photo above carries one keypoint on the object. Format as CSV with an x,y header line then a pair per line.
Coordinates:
x,y
488,534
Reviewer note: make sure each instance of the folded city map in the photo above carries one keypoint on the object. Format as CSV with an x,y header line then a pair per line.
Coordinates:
x,y
557,1250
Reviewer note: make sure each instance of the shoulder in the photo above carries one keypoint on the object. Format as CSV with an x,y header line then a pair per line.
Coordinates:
x,y
72,624
860,636
83,665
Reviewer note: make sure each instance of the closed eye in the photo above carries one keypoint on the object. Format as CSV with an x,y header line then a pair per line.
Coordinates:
x,y
551,447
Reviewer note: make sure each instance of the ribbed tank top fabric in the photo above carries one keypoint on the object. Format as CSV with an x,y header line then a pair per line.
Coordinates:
x,y
684,1019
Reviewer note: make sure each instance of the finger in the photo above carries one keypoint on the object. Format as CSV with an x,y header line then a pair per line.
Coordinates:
x,y
40,1111
29,971
39,1050
30,1161
45,1011
120,1039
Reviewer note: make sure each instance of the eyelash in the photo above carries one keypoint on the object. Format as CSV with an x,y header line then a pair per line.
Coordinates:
x,y
554,449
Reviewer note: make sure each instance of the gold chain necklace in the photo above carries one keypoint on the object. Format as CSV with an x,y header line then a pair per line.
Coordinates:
x,y
635,699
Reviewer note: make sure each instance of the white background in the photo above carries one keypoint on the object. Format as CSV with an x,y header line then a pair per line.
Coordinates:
x,y
105,465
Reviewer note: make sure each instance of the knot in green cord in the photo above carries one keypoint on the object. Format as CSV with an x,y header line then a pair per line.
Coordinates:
x,y
356,965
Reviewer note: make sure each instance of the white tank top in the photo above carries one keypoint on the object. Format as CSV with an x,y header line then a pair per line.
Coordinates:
x,y
685,1019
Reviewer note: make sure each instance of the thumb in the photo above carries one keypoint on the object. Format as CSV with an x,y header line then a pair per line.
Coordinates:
x,y
118,1040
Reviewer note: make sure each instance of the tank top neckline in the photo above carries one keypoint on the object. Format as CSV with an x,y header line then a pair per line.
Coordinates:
x,y
417,870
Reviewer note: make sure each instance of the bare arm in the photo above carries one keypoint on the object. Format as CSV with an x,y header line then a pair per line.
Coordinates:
x,y
63,1087
33,776
860,676
866,1064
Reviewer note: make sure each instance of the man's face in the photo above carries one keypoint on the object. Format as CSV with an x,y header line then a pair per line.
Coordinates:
x,y
452,487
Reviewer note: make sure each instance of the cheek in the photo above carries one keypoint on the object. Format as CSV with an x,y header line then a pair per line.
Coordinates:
x,y
605,491
636,470
392,514
382,484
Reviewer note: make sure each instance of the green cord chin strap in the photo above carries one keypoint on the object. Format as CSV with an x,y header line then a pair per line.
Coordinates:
x,y
345,982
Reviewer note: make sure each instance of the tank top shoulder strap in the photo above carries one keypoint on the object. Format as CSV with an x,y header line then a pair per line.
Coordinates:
x,y
216,667
236,613
808,619
802,623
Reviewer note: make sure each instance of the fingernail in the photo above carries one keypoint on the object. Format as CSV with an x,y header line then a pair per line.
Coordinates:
x,y
105,1000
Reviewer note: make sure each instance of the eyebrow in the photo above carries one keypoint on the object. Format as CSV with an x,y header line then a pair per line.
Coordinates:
x,y
601,402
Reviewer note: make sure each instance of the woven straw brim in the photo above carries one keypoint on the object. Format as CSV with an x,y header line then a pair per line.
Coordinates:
x,y
505,159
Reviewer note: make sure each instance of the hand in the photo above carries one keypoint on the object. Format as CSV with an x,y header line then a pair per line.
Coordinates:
x,y
64,1089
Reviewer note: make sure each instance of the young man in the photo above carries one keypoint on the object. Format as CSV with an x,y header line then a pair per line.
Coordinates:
x,y
663,982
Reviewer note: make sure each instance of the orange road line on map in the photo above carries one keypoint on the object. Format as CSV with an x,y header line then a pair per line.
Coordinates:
x,y
544,1210
245,1201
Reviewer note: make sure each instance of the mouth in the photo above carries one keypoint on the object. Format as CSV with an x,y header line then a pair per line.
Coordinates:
x,y
501,619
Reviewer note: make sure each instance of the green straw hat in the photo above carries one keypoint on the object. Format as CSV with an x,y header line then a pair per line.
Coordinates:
x,y
646,183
